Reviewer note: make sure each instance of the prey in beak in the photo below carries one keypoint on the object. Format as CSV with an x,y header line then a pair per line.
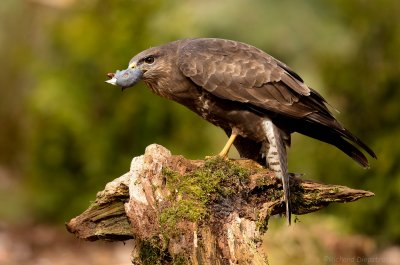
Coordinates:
x,y
125,78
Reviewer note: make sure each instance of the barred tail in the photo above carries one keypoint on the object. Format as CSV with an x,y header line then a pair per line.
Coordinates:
x,y
277,160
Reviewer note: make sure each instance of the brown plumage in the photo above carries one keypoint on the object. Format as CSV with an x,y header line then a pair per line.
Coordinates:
x,y
247,93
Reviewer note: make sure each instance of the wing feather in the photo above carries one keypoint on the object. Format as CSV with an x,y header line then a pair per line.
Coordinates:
x,y
240,72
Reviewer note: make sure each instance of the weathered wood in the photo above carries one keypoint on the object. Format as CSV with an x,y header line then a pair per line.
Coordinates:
x,y
181,211
105,218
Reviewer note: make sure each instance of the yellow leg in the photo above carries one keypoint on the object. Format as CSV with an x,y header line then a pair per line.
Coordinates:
x,y
225,150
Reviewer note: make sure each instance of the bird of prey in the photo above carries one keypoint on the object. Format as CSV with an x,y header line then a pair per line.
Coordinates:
x,y
256,99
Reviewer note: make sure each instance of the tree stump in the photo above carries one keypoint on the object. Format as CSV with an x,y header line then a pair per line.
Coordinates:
x,y
212,211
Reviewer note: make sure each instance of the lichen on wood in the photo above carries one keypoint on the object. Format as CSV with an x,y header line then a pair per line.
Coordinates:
x,y
211,211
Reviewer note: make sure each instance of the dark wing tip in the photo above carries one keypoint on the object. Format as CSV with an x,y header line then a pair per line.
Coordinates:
x,y
361,159
360,143
354,152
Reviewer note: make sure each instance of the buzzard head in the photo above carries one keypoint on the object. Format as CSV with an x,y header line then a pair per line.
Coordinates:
x,y
150,66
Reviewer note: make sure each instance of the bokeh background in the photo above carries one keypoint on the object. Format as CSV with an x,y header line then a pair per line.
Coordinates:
x,y
64,133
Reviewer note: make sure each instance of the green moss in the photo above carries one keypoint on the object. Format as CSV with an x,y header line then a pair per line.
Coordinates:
x,y
181,210
193,192
149,253
152,253
263,181
262,225
179,260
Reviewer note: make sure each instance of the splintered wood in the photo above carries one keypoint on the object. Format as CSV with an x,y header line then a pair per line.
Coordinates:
x,y
212,211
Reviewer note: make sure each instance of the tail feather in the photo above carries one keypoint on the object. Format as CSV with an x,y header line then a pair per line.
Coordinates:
x,y
360,143
345,146
323,126
277,160
337,136
349,150
286,189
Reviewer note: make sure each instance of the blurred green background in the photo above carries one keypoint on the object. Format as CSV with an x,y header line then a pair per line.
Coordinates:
x,y
64,133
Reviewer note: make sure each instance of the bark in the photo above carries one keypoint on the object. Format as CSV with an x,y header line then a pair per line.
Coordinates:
x,y
181,211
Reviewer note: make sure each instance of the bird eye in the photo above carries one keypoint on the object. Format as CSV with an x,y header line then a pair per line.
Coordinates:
x,y
149,59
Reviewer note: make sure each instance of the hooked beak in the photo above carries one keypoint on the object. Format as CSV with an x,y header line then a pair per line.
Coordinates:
x,y
125,78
